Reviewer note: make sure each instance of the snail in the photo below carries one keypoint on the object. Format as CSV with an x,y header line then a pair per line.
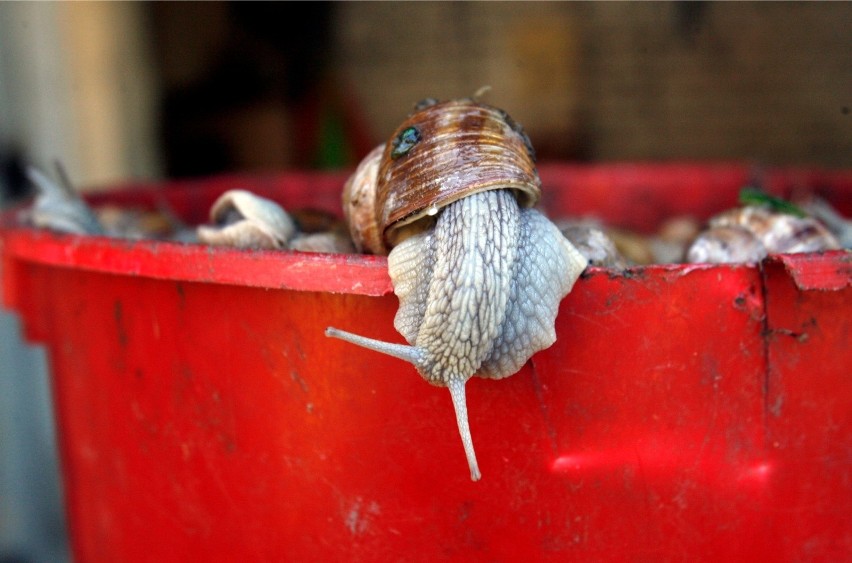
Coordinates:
x,y
837,224
749,233
326,242
245,220
242,219
58,207
726,245
590,239
478,272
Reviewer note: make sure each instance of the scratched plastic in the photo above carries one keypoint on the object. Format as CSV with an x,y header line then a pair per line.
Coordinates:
x,y
685,413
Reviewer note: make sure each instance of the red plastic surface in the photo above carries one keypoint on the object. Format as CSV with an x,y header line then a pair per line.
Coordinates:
x,y
684,413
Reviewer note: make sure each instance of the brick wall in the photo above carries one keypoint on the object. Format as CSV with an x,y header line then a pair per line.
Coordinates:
x,y
619,81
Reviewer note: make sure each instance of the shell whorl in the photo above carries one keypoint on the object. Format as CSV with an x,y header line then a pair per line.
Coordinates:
x,y
448,151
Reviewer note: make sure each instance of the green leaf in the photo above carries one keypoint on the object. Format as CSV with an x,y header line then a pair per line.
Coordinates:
x,y
754,196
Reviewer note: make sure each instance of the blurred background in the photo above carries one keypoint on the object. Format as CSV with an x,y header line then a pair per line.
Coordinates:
x,y
144,91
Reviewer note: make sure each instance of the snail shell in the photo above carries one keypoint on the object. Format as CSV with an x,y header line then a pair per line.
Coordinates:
x,y
837,224
244,220
440,154
748,234
479,274
325,242
359,204
779,232
726,245
593,243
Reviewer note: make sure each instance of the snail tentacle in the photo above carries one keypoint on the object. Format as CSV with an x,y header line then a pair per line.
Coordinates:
x,y
456,387
408,353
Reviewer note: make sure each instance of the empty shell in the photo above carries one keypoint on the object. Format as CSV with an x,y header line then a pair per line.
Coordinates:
x,y
244,220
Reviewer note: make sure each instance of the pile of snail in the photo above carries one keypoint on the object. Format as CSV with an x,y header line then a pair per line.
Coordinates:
x,y
479,272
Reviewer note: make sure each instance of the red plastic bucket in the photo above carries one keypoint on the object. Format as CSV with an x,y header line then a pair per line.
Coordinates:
x,y
685,412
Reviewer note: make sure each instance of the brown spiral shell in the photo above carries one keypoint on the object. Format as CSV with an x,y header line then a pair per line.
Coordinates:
x,y
359,204
441,153
463,147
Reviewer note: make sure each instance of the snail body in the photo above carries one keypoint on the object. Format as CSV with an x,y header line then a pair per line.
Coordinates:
x,y
478,272
58,207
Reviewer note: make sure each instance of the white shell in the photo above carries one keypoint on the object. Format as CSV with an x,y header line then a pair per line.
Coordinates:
x,y
780,232
244,220
592,242
748,234
726,245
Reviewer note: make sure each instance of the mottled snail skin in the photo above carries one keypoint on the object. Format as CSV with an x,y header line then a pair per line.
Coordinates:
x,y
479,277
